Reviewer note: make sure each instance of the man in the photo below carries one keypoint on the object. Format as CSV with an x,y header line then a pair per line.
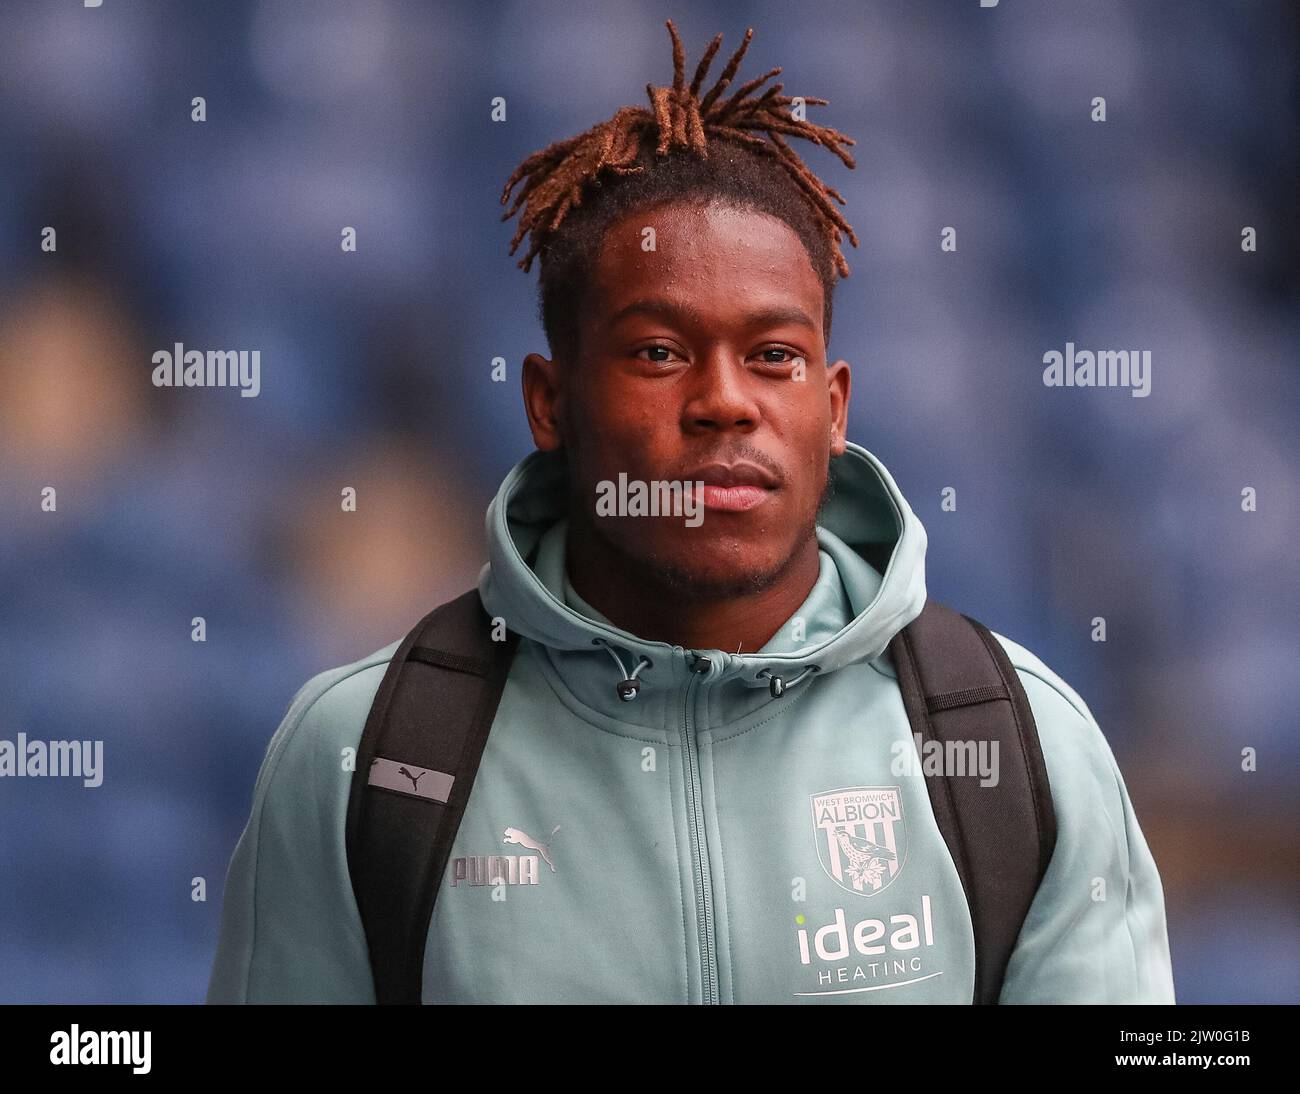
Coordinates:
x,y
691,789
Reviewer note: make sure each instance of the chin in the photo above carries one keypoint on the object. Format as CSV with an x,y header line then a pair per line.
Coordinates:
x,y
713,571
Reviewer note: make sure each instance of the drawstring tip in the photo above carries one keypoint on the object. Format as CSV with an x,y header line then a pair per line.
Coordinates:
x,y
628,687
777,686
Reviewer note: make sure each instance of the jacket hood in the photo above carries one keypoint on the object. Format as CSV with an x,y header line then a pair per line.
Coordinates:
x,y
871,585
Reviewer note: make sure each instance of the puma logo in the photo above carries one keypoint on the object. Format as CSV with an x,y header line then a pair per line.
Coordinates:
x,y
415,779
516,835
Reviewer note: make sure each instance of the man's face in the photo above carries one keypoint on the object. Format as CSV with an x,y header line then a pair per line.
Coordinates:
x,y
688,370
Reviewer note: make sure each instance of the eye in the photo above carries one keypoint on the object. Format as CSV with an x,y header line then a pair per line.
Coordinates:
x,y
657,348
789,355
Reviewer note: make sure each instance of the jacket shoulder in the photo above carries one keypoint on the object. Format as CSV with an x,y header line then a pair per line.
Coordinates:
x,y
1096,931
1029,665
290,931
332,706
1075,748
329,693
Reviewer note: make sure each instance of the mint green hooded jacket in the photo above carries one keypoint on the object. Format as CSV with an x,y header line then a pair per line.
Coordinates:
x,y
682,847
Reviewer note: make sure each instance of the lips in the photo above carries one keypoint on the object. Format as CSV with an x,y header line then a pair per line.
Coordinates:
x,y
732,474
733,487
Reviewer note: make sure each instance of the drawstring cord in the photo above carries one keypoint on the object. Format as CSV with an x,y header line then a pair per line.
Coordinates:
x,y
628,686
777,685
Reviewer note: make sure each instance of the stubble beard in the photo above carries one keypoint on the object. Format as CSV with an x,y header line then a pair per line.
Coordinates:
x,y
678,582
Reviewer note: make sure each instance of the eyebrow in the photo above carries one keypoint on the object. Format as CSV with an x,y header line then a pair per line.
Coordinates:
x,y
776,315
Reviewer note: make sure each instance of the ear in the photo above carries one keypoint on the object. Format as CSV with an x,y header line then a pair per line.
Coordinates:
x,y
839,384
543,396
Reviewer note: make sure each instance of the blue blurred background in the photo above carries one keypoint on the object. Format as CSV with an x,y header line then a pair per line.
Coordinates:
x,y
1072,503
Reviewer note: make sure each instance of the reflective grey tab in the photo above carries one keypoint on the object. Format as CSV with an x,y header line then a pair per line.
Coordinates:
x,y
419,782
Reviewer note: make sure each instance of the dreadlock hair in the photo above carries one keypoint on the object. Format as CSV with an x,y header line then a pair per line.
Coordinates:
x,y
686,147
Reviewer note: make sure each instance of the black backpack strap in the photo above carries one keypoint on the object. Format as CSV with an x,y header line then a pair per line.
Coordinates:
x,y
958,684
417,760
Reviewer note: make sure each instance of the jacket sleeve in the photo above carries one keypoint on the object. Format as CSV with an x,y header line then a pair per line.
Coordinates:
x,y
290,929
1096,930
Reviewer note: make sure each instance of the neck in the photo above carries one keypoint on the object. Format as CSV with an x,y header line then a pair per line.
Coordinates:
x,y
639,602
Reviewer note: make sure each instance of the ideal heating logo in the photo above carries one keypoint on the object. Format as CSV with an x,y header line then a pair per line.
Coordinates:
x,y
113,1047
873,954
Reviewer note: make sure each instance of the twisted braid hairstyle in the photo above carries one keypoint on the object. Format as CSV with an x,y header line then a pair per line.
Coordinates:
x,y
685,147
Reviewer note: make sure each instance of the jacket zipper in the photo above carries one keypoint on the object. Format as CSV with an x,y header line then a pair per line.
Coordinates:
x,y
699,849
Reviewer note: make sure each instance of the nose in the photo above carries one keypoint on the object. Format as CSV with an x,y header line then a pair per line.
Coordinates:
x,y
722,398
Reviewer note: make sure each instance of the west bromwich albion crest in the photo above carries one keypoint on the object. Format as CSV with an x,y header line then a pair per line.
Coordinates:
x,y
860,836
